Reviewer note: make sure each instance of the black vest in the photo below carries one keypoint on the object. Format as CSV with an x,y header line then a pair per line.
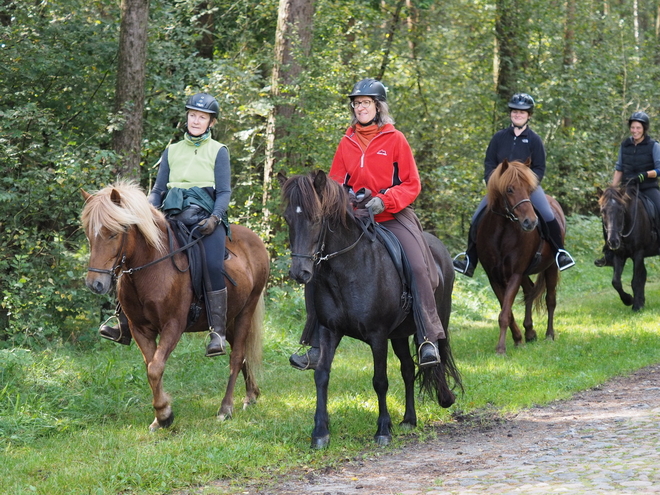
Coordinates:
x,y
636,159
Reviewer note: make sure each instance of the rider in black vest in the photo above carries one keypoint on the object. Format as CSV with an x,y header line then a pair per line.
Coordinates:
x,y
638,163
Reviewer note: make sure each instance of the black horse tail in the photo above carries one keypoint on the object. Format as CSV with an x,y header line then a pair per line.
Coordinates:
x,y
434,380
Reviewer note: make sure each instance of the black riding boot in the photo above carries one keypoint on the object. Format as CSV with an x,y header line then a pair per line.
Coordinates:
x,y
562,258
121,333
310,336
217,309
469,260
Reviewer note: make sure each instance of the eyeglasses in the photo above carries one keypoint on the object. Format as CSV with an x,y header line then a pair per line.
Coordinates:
x,y
362,103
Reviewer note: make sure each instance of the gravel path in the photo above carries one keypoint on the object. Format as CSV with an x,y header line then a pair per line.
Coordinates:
x,y
602,441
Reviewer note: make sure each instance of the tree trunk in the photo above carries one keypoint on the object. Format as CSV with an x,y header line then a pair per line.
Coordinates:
x,y
294,28
129,96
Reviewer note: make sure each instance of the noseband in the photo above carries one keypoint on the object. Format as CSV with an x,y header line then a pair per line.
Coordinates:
x,y
509,210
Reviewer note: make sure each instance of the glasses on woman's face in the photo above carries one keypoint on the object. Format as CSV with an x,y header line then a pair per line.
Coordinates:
x,y
361,103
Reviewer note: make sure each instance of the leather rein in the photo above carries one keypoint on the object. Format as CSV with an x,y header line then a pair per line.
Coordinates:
x,y
317,257
120,259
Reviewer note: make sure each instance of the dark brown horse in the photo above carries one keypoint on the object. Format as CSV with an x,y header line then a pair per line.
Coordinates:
x,y
358,293
128,241
511,249
629,233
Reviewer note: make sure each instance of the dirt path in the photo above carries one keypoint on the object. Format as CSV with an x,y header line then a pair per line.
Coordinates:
x,y
603,441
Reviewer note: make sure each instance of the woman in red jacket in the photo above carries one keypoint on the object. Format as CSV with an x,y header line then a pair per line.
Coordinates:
x,y
375,157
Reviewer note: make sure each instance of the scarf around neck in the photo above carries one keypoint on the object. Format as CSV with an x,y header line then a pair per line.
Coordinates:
x,y
366,134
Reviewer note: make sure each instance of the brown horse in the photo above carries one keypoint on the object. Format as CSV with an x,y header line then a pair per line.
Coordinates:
x,y
511,249
128,241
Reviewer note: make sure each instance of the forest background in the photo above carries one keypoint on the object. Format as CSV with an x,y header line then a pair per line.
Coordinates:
x,y
94,90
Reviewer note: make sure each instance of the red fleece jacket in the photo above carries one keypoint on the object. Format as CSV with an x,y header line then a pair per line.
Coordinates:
x,y
387,167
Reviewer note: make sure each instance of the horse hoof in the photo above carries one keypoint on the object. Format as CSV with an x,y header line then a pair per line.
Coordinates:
x,y
166,423
406,425
320,442
224,415
383,440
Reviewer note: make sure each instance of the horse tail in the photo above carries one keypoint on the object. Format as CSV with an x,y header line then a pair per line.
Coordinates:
x,y
537,292
254,342
434,380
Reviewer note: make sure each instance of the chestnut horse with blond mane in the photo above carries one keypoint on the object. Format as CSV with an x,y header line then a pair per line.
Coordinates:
x,y
131,244
511,249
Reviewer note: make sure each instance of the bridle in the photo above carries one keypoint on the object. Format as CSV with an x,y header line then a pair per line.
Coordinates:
x,y
317,257
122,256
509,210
634,219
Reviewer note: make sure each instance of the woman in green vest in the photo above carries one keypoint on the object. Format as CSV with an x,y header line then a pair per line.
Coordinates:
x,y
193,185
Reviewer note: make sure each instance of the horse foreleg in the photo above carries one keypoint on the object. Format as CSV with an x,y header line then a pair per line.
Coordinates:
x,y
236,364
551,281
155,369
402,350
619,264
506,319
528,324
321,431
638,281
380,383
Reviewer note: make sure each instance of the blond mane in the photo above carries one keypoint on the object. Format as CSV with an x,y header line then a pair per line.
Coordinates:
x,y
514,173
119,206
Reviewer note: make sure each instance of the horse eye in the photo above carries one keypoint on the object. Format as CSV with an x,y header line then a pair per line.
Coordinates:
x,y
509,190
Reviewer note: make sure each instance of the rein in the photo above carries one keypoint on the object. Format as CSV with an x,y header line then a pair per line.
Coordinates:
x,y
131,271
632,227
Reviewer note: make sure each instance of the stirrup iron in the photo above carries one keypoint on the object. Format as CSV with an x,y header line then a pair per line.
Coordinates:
x,y
565,267
435,352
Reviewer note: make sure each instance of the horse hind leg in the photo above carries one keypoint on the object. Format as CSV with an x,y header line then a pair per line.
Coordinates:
x,y
528,324
552,279
638,282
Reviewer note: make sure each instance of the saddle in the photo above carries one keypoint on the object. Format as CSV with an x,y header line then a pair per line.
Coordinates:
x,y
652,212
374,231
185,234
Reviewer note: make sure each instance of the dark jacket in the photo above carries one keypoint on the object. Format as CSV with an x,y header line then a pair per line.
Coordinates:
x,y
636,159
505,144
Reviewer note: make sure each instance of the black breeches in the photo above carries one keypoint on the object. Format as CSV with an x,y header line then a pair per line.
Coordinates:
x,y
214,248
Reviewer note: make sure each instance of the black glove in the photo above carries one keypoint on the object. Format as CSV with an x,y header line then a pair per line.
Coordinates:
x,y
641,177
208,225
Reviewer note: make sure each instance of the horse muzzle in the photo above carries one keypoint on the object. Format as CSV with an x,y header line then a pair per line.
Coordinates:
x,y
528,224
300,275
98,283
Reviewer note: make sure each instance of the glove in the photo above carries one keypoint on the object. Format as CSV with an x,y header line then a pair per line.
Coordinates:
x,y
208,225
641,177
376,204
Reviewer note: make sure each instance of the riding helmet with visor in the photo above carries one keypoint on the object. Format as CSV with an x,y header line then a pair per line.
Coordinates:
x,y
642,118
522,101
204,103
369,87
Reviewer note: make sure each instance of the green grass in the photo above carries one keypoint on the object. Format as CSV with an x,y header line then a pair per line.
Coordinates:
x,y
74,421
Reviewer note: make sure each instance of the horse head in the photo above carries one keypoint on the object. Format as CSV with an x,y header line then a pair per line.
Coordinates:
x,y
107,218
613,204
313,203
511,185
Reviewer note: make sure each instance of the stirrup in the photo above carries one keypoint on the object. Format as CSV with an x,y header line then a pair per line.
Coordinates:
x,y
121,335
223,345
467,262
435,353
566,266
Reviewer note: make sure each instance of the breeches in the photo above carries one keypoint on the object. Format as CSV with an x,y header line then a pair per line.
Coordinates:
x,y
214,248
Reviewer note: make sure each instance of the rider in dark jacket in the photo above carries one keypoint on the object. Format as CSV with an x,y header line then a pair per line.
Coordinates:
x,y
638,163
516,142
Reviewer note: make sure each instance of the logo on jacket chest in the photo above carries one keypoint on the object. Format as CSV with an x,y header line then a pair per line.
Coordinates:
x,y
381,152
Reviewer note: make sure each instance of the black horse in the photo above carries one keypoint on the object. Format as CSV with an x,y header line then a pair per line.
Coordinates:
x,y
358,293
629,234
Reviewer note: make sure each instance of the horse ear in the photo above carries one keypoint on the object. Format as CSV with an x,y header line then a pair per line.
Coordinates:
x,y
504,166
528,162
281,178
85,195
319,181
599,191
115,197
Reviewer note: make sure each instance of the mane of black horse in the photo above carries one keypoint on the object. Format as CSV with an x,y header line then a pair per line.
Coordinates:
x,y
318,199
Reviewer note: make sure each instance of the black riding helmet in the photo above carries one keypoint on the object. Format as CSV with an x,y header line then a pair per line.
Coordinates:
x,y
369,87
204,103
642,118
522,101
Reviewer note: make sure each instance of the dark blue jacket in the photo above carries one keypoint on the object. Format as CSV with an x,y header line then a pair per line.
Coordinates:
x,y
505,144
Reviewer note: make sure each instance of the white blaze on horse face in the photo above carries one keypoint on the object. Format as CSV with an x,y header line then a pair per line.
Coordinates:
x,y
298,210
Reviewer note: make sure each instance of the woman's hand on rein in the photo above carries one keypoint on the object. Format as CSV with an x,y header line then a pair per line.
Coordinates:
x,y
208,225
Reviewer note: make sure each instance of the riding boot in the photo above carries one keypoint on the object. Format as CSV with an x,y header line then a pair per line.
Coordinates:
x,y
466,262
310,336
562,258
121,333
217,309
606,260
